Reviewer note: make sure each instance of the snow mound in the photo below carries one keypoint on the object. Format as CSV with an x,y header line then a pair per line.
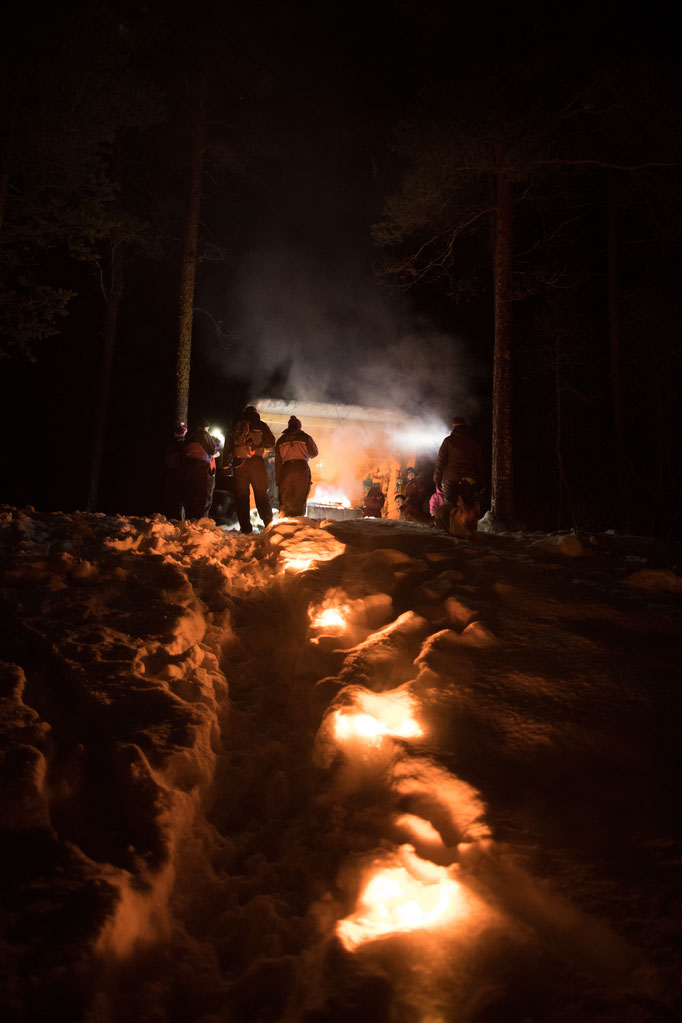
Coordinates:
x,y
652,580
109,705
203,774
299,546
386,658
565,544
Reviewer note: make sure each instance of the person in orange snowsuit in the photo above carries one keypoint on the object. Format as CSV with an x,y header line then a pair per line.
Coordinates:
x,y
251,438
292,472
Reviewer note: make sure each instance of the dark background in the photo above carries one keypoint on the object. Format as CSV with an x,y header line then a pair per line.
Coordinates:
x,y
304,103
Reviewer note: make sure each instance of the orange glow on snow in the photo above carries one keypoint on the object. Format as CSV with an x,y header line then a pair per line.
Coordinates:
x,y
297,564
395,900
377,715
330,618
329,495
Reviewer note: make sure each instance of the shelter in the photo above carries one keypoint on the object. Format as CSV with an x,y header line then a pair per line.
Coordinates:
x,y
358,446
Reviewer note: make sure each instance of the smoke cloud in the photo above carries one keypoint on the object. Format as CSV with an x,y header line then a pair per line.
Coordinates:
x,y
315,330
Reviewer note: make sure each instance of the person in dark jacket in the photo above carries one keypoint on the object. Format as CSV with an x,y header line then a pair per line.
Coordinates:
x,y
250,439
292,472
459,466
374,502
175,473
414,506
200,454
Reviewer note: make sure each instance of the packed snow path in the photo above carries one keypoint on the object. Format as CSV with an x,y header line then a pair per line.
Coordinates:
x,y
211,797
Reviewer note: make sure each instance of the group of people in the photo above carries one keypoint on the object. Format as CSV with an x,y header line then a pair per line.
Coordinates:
x,y
191,460
251,437
191,464
457,479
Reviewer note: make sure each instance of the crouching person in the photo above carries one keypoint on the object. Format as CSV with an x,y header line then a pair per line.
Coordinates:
x,y
292,472
459,469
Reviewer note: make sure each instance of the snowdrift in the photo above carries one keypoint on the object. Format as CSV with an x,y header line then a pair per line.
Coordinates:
x,y
346,770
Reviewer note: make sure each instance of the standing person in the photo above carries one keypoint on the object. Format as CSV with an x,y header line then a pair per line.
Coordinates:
x,y
200,452
292,472
251,436
459,466
175,473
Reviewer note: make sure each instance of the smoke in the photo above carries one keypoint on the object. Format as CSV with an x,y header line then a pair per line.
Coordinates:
x,y
318,330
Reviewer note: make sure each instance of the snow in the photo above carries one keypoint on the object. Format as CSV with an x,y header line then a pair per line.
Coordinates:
x,y
454,797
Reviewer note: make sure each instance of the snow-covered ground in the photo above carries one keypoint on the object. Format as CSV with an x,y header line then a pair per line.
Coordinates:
x,y
453,797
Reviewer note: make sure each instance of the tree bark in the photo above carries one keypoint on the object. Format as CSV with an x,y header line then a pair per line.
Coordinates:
x,y
502,505
189,258
117,264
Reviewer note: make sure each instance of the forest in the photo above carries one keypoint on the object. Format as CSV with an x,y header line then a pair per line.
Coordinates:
x,y
423,205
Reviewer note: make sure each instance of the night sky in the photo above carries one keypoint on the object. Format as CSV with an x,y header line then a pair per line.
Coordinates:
x,y
305,108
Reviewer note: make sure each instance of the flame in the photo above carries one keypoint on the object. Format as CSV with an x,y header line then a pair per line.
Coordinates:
x,y
329,495
378,715
396,900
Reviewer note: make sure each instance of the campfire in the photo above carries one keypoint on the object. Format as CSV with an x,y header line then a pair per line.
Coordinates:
x,y
356,444
330,496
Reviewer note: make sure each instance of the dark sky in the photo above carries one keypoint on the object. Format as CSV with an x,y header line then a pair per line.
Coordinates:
x,y
343,78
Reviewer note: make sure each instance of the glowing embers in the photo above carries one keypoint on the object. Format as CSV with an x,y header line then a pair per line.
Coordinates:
x,y
376,716
409,895
330,496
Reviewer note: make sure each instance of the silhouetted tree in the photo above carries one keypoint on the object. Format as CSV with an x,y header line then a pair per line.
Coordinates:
x,y
220,109
470,155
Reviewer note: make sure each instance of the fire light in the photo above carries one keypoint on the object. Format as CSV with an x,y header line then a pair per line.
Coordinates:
x,y
297,564
330,495
376,716
395,900
330,618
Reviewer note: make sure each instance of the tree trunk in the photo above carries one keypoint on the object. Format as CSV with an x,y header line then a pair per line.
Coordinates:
x,y
189,258
117,262
501,494
617,399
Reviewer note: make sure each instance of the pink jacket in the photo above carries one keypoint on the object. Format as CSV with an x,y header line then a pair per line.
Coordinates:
x,y
436,501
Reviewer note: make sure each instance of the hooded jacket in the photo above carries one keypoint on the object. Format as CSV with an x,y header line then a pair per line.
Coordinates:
x,y
459,457
293,445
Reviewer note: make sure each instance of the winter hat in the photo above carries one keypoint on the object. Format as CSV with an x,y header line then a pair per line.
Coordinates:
x,y
294,423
